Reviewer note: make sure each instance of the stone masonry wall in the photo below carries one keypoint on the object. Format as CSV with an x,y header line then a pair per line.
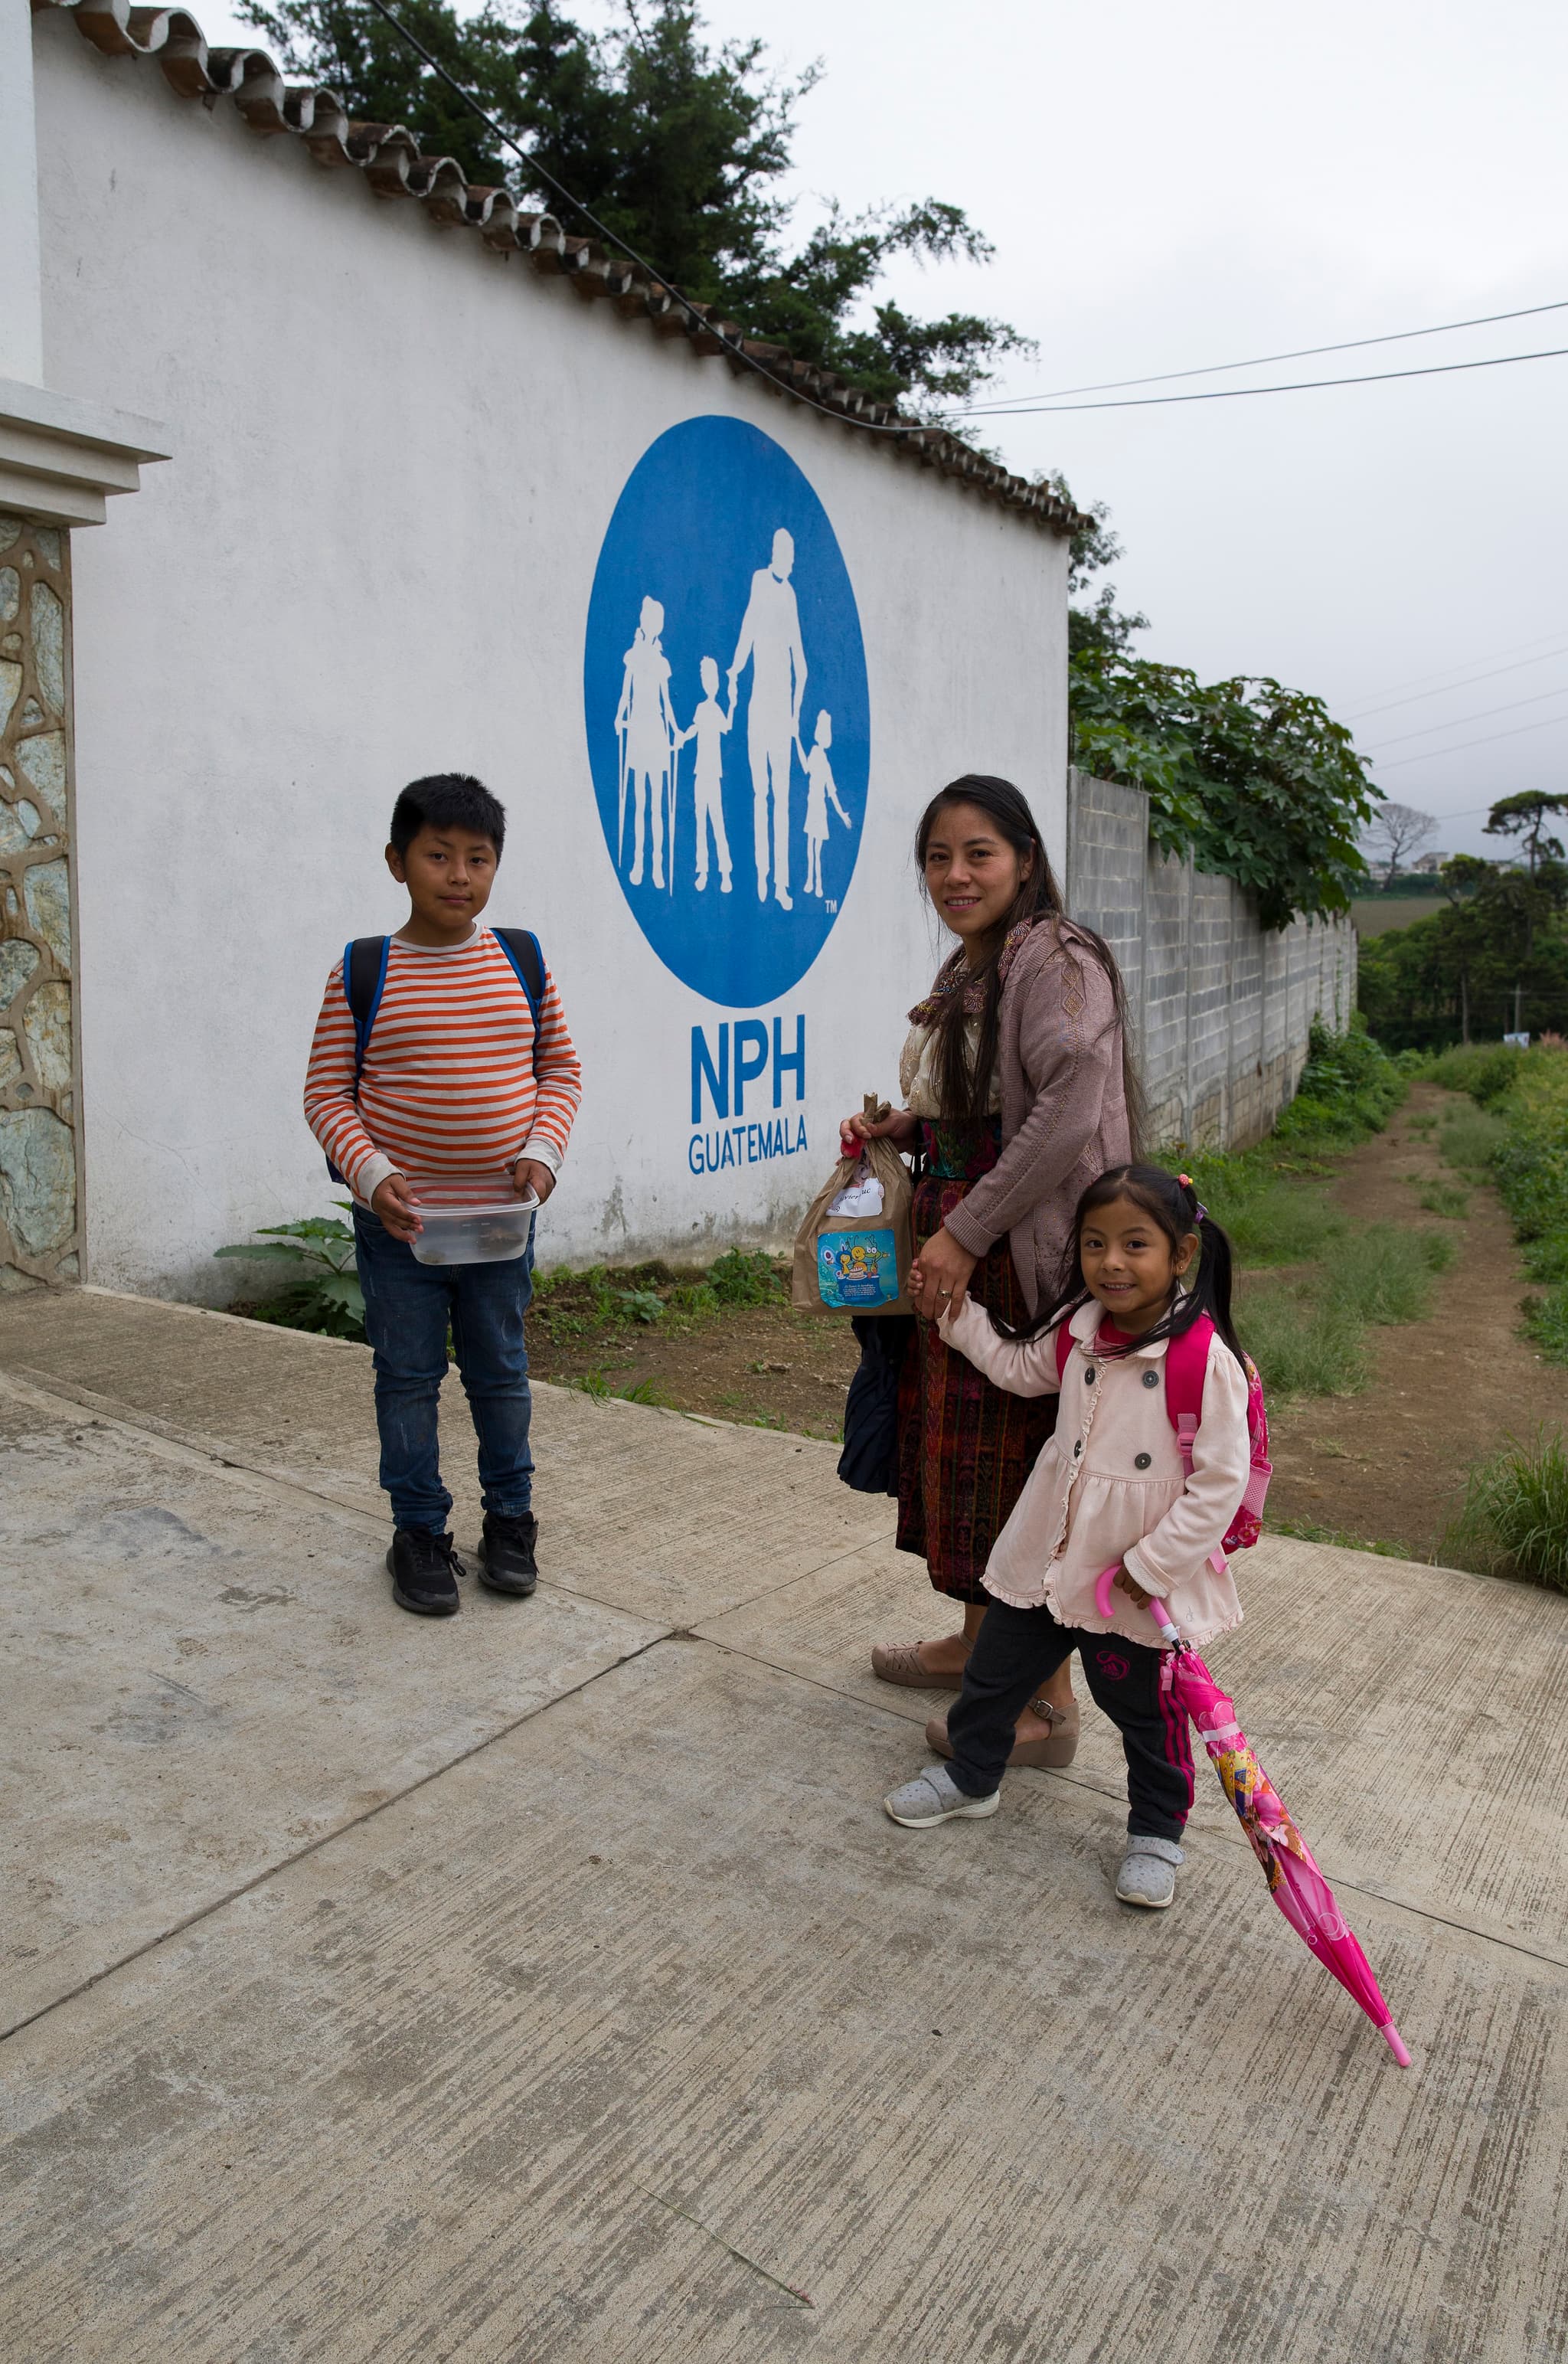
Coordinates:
x,y
39,1214
1222,1010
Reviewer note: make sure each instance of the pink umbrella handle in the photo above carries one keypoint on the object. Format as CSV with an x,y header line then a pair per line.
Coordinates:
x,y
1157,1608
1394,2042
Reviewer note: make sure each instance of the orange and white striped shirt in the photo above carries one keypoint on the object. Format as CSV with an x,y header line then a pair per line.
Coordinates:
x,y
448,1092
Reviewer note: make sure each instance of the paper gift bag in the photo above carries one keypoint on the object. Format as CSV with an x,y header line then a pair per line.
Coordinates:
x,y
852,1253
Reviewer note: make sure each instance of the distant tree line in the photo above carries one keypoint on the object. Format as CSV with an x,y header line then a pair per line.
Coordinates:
x,y
1496,960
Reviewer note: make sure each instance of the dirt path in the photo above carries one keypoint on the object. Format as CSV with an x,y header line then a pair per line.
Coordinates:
x,y
762,1364
1388,1466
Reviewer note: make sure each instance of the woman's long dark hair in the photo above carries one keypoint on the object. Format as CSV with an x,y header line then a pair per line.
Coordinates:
x,y
1173,1204
965,1089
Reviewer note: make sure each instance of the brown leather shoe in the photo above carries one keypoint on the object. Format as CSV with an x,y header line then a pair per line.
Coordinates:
x,y
1051,1754
899,1661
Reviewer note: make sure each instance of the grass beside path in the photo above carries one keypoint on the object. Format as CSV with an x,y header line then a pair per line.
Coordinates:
x,y
1306,1329
1516,1136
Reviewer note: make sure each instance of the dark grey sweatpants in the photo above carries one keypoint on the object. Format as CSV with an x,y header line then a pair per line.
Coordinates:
x,y
1014,1652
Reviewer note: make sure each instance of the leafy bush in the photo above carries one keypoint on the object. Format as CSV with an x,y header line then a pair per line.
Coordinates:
x,y
1256,780
324,1293
1546,1321
746,1277
1349,1089
1483,1070
1522,1124
1531,1166
1515,1519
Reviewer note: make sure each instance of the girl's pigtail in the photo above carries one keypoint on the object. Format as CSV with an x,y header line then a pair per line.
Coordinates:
x,y
1210,1290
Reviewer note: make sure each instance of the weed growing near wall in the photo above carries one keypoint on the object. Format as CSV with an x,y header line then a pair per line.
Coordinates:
x,y
1349,1089
323,1290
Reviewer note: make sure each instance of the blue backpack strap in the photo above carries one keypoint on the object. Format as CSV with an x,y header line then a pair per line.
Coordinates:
x,y
521,948
365,981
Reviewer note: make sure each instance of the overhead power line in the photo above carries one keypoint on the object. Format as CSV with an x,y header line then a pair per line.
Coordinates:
x,y
1240,393
1481,714
1300,353
1446,681
1435,754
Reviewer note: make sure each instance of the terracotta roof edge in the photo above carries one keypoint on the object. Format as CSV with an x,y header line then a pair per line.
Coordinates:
x,y
394,167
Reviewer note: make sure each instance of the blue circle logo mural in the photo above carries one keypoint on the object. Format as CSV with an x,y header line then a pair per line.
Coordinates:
x,y
724,683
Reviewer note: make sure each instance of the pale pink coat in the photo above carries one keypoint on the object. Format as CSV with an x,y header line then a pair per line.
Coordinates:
x,y
1088,1502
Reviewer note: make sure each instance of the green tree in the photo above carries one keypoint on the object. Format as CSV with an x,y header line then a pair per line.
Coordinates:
x,y
1098,629
1498,956
679,147
1254,780
1526,816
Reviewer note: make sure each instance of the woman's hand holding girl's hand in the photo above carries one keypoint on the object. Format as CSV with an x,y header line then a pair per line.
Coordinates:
x,y
940,1275
898,1126
1134,1590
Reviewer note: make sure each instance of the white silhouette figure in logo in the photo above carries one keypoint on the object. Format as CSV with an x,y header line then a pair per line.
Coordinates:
x,y
770,638
645,726
820,786
707,727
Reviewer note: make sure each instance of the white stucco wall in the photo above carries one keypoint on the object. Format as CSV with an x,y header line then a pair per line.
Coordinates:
x,y
395,455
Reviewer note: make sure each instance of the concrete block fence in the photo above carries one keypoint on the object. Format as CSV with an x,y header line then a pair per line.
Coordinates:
x,y
1222,1008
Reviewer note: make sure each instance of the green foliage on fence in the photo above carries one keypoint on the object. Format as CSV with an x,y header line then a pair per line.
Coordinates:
x,y
1253,780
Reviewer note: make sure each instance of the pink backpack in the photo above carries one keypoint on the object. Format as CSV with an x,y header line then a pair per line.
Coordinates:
x,y
1186,1363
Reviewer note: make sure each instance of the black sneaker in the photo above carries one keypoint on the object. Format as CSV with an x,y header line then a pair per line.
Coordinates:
x,y
424,1569
506,1554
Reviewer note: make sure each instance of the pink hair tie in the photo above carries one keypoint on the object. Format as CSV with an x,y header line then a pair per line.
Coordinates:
x,y
1199,1210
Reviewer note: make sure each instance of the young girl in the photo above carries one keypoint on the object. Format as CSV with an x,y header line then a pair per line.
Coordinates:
x,y
1108,1488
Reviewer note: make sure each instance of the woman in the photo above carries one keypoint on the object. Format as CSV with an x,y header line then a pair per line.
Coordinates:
x,y
1019,1091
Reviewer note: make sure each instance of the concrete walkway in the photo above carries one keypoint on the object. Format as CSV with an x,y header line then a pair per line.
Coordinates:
x,y
548,1984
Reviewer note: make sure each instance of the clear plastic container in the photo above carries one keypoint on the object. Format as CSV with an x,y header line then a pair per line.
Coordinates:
x,y
488,1225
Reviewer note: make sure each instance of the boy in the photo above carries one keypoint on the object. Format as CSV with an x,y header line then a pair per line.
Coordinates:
x,y
452,1090
707,727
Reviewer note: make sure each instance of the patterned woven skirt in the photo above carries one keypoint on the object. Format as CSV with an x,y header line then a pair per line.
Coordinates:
x,y
964,1447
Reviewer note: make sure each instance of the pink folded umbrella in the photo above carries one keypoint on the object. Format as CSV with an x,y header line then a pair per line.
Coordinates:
x,y
1297,1885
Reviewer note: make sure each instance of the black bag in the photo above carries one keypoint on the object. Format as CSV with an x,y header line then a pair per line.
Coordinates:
x,y
869,1461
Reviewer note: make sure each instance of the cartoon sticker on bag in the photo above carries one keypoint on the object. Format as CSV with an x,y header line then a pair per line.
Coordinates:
x,y
857,1270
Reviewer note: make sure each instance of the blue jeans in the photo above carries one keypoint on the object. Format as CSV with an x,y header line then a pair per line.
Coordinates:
x,y
409,1308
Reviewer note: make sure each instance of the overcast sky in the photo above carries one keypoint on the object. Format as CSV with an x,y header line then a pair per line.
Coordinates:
x,y
1170,188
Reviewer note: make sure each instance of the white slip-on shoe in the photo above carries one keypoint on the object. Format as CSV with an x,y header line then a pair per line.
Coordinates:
x,y
1148,1874
933,1796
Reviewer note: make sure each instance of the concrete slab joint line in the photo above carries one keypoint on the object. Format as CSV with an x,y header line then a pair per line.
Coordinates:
x,y
397,1994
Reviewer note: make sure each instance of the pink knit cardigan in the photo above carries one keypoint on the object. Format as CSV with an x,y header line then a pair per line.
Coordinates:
x,y
1064,1115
